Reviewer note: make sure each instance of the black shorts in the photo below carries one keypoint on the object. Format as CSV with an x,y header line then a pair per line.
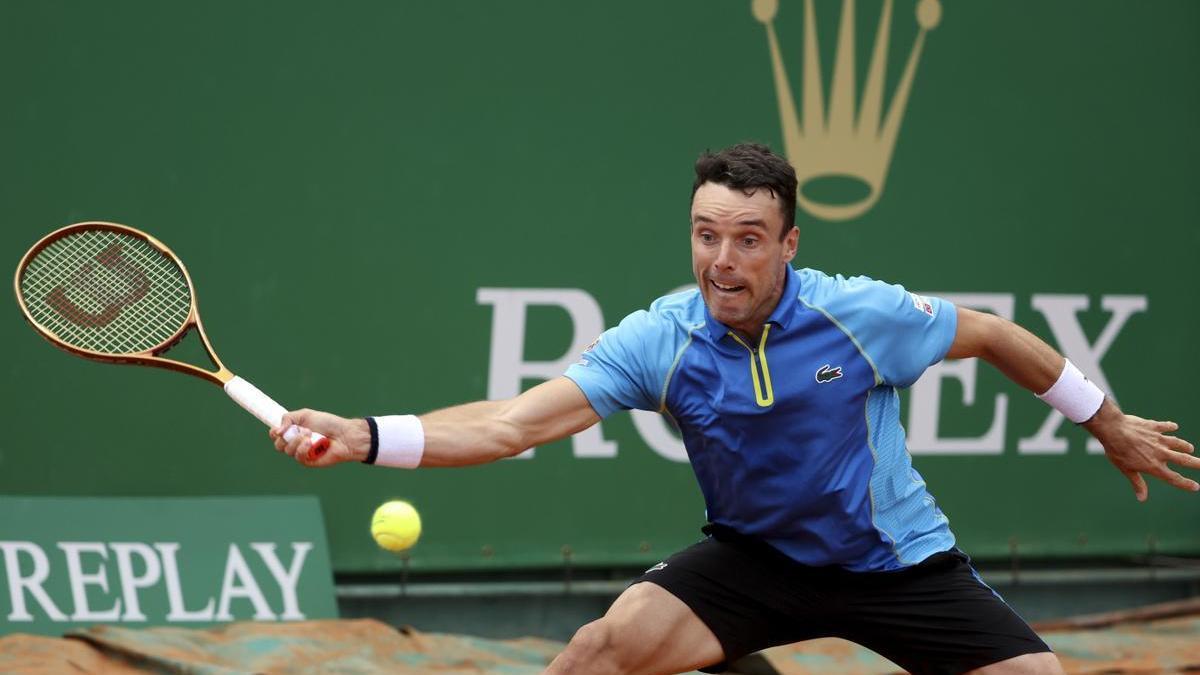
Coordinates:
x,y
935,617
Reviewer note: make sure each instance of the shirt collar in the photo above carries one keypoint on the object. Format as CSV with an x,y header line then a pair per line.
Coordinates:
x,y
782,315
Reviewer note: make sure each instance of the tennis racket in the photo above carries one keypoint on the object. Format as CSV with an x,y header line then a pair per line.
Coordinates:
x,y
111,293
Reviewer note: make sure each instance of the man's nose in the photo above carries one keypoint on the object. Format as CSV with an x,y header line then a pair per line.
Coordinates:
x,y
724,256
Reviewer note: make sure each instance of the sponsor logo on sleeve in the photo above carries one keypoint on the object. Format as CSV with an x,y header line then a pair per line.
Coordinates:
x,y
583,357
922,303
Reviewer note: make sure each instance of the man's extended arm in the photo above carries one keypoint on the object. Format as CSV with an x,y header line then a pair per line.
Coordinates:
x,y
1134,445
472,433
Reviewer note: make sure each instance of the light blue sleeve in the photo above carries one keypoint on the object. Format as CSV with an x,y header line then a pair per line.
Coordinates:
x,y
625,368
902,333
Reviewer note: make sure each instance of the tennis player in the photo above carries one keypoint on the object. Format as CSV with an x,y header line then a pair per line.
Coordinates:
x,y
783,383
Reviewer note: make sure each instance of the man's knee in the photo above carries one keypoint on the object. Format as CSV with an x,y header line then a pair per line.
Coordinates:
x,y
594,638
590,650
601,646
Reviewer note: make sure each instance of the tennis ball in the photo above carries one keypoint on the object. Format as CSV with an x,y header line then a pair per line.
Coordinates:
x,y
396,525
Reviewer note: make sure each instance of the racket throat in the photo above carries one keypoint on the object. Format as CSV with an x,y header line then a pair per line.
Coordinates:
x,y
189,352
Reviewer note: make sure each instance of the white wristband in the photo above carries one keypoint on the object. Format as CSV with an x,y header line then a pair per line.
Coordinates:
x,y
396,440
1074,395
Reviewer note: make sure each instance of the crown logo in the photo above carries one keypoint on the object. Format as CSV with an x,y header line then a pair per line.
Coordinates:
x,y
833,142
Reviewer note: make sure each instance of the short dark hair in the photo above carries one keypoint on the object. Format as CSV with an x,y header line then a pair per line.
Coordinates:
x,y
748,167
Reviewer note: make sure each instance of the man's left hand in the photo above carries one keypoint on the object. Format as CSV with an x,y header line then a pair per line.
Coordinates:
x,y
1139,446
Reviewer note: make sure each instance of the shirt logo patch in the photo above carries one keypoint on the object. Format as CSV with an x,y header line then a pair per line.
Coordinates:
x,y
922,303
656,568
583,359
827,374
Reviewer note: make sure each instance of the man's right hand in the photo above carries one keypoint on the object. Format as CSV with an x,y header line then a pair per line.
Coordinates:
x,y
349,439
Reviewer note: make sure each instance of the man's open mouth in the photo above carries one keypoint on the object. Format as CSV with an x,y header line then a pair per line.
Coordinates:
x,y
725,288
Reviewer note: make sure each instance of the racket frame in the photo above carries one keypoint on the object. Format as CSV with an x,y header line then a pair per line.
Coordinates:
x,y
149,357
245,394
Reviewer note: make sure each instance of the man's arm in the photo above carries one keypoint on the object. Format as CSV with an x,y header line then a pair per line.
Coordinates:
x,y
472,433
1134,445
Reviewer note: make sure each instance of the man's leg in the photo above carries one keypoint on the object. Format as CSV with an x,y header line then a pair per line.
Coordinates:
x,y
1045,663
647,630
940,617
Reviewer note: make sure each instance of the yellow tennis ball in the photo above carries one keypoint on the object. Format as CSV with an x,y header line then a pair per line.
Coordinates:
x,y
396,525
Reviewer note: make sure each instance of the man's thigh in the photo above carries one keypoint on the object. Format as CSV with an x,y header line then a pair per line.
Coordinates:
x,y
938,617
1045,663
745,593
657,632
935,617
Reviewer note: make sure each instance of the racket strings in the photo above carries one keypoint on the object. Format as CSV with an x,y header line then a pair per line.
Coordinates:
x,y
106,292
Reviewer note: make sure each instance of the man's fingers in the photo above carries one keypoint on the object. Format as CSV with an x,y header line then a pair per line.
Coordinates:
x,y
1186,461
1166,426
303,423
302,417
1139,485
289,447
1174,479
302,448
277,439
1183,483
1179,445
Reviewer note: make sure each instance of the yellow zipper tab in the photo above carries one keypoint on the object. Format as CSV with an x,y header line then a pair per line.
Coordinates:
x,y
764,395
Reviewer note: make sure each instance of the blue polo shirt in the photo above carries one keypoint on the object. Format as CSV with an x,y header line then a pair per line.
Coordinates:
x,y
795,440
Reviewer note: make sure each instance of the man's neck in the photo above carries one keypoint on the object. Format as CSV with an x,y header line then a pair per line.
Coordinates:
x,y
751,331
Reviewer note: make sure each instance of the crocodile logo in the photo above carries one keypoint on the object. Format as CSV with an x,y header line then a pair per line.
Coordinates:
x,y
827,374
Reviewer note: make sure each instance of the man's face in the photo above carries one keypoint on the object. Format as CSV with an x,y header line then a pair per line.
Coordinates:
x,y
737,256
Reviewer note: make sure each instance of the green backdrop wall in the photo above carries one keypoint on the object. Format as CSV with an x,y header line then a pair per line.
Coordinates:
x,y
370,195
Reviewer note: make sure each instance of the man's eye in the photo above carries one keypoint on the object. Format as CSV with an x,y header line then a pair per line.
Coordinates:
x,y
749,241
706,237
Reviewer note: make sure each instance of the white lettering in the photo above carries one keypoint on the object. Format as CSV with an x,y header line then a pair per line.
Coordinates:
x,y
653,429
925,404
130,583
19,584
178,610
141,566
240,583
287,579
507,368
80,580
507,365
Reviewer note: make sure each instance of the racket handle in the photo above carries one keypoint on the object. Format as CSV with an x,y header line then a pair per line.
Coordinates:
x,y
270,413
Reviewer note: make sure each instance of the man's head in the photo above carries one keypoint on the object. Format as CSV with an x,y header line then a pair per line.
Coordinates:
x,y
749,167
743,236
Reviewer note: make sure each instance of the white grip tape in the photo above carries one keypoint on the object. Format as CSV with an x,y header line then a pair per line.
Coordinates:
x,y
262,406
1074,395
401,441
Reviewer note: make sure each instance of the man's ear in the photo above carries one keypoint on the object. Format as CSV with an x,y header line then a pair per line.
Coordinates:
x,y
790,242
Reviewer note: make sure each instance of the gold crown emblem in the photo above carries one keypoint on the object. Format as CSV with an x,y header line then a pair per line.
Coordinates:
x,y
833,143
